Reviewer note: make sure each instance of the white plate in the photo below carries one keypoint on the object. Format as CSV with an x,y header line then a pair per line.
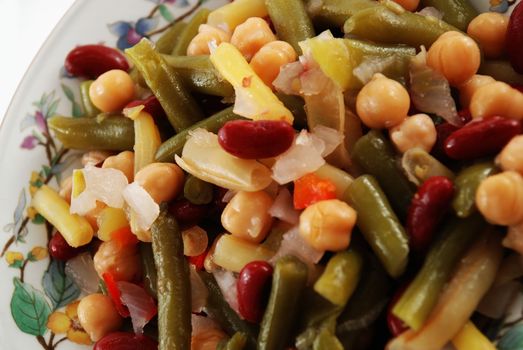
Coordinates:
x,y
26,155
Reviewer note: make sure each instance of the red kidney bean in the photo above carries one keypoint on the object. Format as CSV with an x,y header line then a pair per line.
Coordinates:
x,y
125,341
481,137
151,106
253,284
187,213
395,325
89,61
443,131
465,116
514,39
256,139
59,249
427,208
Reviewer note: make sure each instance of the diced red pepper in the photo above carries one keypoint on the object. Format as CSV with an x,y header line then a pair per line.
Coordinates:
x,y
124,236
114,293
198,260
310,189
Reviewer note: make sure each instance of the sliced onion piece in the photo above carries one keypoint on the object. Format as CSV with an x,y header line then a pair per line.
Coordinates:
x,y
145,209
81,270
203,157
283,207
199,292
293,244
227,283
332,138
430,91
368,67
430,11
288,80
140,304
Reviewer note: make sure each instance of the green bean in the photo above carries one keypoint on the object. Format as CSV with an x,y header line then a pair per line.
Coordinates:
x,y
150,277
340,278
237,342
111,133
326,340
175,144
334,13
165,44
197,191
88,107
179,106
289,280
420,165
376,156
501,71
378,223
467,183
417,302
458,13
189,32
291,21
296,105
221,312
199,75
395,26
174,288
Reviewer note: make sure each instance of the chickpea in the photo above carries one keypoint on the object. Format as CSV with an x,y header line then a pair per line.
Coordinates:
x,y
327,224
207,340
195,241
514,238
500,198
112,90
456,56
416,131
497,99
490,30
409,5
98,316
270,58
511,157
94,157
247,215
123,261
251,35
199,45
468,88
163,181
382,102
66,189
124,162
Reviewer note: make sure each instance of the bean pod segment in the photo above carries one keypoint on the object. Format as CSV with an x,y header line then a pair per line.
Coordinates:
x,y
481,137
253,286
90,61
427,208
125,341
256,139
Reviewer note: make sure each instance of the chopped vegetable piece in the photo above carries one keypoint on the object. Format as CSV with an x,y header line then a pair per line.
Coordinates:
x,y
467,183
469,337
310,189
228,17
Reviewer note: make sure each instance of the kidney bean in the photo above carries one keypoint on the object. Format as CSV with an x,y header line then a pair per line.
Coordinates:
x,y
187,213
89,61
481,137
151,106
253,284
125,341
514,39
395,325
465,116
443,131
428,206
59,249
256,139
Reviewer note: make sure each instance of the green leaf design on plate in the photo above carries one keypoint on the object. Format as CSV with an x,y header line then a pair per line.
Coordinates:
x,y
29,308
58,286
38,220
513,339
76,109
166,14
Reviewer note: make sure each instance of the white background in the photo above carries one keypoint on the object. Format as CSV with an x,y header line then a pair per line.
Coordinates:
x,y
24,26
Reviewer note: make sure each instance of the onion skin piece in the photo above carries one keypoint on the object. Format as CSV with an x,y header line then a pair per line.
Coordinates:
x,y
472,279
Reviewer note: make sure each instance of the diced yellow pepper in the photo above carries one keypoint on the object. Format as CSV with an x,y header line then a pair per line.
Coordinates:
x,y
78,183
333,57
262,102
74,228
231,15
146,140
233,253
471,338
110,220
